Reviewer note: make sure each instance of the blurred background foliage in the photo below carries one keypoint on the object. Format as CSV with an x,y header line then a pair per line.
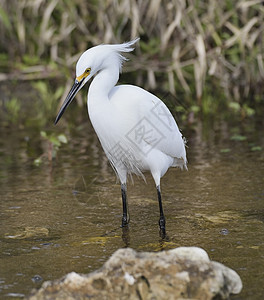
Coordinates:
x,y
207,56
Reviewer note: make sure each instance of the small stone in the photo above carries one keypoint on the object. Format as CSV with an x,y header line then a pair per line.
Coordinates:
x,y
36,278
224,231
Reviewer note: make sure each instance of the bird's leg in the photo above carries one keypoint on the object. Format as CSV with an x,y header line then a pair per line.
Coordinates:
x,y
162,218
125,218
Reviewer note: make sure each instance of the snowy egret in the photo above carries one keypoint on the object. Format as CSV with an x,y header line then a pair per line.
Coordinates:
x,y
135,128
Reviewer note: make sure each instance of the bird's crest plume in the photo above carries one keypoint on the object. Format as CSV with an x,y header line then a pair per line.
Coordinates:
x,y
99,56
123,48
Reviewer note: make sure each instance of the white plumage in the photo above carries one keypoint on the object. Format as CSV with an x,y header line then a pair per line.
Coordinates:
x,y
135,128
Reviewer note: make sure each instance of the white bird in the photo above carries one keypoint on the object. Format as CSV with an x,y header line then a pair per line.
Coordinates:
x,y
135,128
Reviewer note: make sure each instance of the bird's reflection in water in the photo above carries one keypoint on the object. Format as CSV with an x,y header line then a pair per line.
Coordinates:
x,y
164,238
126,236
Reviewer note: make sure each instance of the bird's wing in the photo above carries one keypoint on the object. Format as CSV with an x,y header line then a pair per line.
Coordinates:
x,y
147,118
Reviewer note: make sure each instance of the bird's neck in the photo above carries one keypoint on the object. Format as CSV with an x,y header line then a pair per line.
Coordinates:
x,y
102,84
99,105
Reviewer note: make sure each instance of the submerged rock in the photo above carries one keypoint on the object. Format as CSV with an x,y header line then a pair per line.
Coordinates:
x,y
28,233
180,273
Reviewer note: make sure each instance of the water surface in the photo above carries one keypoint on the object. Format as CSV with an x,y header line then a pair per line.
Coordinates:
x,y
65,216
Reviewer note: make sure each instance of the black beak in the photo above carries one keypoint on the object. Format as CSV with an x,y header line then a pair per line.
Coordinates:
x,y
74,90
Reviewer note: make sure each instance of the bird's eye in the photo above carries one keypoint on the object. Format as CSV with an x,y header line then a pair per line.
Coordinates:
x,y
88,70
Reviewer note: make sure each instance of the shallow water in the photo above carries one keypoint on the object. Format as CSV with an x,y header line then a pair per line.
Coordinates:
x,y
65,216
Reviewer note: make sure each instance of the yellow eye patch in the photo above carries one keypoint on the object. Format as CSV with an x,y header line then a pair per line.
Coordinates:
x,y
85,74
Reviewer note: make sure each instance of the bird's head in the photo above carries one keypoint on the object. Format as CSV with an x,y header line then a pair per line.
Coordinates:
x,y
92,61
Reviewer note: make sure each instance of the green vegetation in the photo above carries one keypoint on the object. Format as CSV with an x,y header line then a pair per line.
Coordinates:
x,y
50,98
54,143
13,107
209,54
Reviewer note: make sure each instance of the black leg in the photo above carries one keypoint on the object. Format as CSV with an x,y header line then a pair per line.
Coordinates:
x,y
125,219
162,221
